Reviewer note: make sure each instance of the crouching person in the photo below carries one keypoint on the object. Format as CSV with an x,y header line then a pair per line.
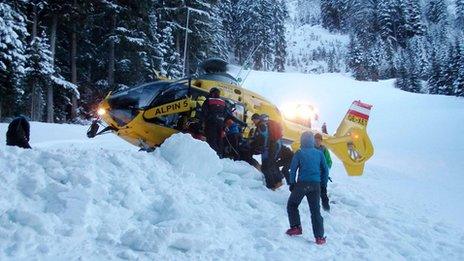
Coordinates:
x,y
18,133
312,173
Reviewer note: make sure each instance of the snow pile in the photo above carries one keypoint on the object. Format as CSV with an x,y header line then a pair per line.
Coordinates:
x,y
183,202
180,201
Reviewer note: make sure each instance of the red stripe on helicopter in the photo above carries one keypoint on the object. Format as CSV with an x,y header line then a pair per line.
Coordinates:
x,y
364,105
358,114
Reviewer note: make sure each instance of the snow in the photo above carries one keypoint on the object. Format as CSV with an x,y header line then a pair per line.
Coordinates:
x,y
100,199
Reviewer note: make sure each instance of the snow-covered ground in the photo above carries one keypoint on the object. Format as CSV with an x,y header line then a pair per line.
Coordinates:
x,y
72,198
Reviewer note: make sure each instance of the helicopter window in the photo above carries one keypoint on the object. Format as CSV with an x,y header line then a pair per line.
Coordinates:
x,y
237,109
123,116
239,112
170,94
137,97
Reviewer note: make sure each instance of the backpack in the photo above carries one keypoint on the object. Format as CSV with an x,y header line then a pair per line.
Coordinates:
x,y
275,130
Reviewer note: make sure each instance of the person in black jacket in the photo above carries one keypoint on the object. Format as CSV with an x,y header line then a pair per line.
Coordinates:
x,y
18,133
261,144
214,115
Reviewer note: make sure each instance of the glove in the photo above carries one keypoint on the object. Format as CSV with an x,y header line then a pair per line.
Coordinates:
x,y
291,187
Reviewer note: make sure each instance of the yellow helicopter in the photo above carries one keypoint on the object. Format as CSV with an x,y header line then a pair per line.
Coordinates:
x,y
148,114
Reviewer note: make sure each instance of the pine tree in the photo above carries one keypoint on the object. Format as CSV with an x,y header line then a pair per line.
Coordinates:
x,y
171,59
434,75
408,74
385,59
308,12
356,59
414,19
459,23
38,75
331,15
413,67
281,15
402,81
458,64
12,35
450,71
436,12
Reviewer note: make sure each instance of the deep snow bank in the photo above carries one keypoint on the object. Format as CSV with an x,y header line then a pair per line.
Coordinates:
x,y
179,201
182,202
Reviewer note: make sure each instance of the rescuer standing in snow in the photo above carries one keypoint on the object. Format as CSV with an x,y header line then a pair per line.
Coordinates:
x,y
328,160
266,142
312,173
213,115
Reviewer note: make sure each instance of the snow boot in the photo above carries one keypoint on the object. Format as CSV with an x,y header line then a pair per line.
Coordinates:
x,y
294,231
278,185
320,240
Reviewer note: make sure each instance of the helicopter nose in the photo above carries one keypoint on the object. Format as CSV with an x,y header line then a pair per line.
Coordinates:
x,y
103,108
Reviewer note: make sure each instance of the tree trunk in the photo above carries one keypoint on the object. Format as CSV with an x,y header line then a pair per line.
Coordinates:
x,y
111,53
34,35
34,22
50,106
1,106
178,49
34,102
73,72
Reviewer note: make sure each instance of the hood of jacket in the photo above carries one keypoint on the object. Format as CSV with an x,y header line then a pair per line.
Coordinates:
x,y
307,140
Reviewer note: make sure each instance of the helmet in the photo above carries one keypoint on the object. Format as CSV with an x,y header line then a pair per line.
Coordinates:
x,y
264,117
214,92
255,116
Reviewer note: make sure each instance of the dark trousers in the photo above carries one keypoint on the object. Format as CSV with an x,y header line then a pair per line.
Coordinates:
x,y
271,172
233,144
285,158
213,133
312,191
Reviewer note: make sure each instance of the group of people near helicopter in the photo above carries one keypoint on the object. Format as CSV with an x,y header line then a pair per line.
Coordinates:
x,y
223,132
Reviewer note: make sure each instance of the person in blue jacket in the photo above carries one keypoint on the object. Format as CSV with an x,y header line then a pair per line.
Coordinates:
x,y
312,173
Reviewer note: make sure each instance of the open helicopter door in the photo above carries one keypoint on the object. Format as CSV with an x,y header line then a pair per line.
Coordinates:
x,y
351,144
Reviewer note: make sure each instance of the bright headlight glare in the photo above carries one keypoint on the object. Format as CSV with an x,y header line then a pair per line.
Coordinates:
x,y
101,111
299,111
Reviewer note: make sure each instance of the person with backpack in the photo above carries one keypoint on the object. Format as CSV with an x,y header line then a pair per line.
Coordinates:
x,y
265,143
328,160
214,113
18,133
312,174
